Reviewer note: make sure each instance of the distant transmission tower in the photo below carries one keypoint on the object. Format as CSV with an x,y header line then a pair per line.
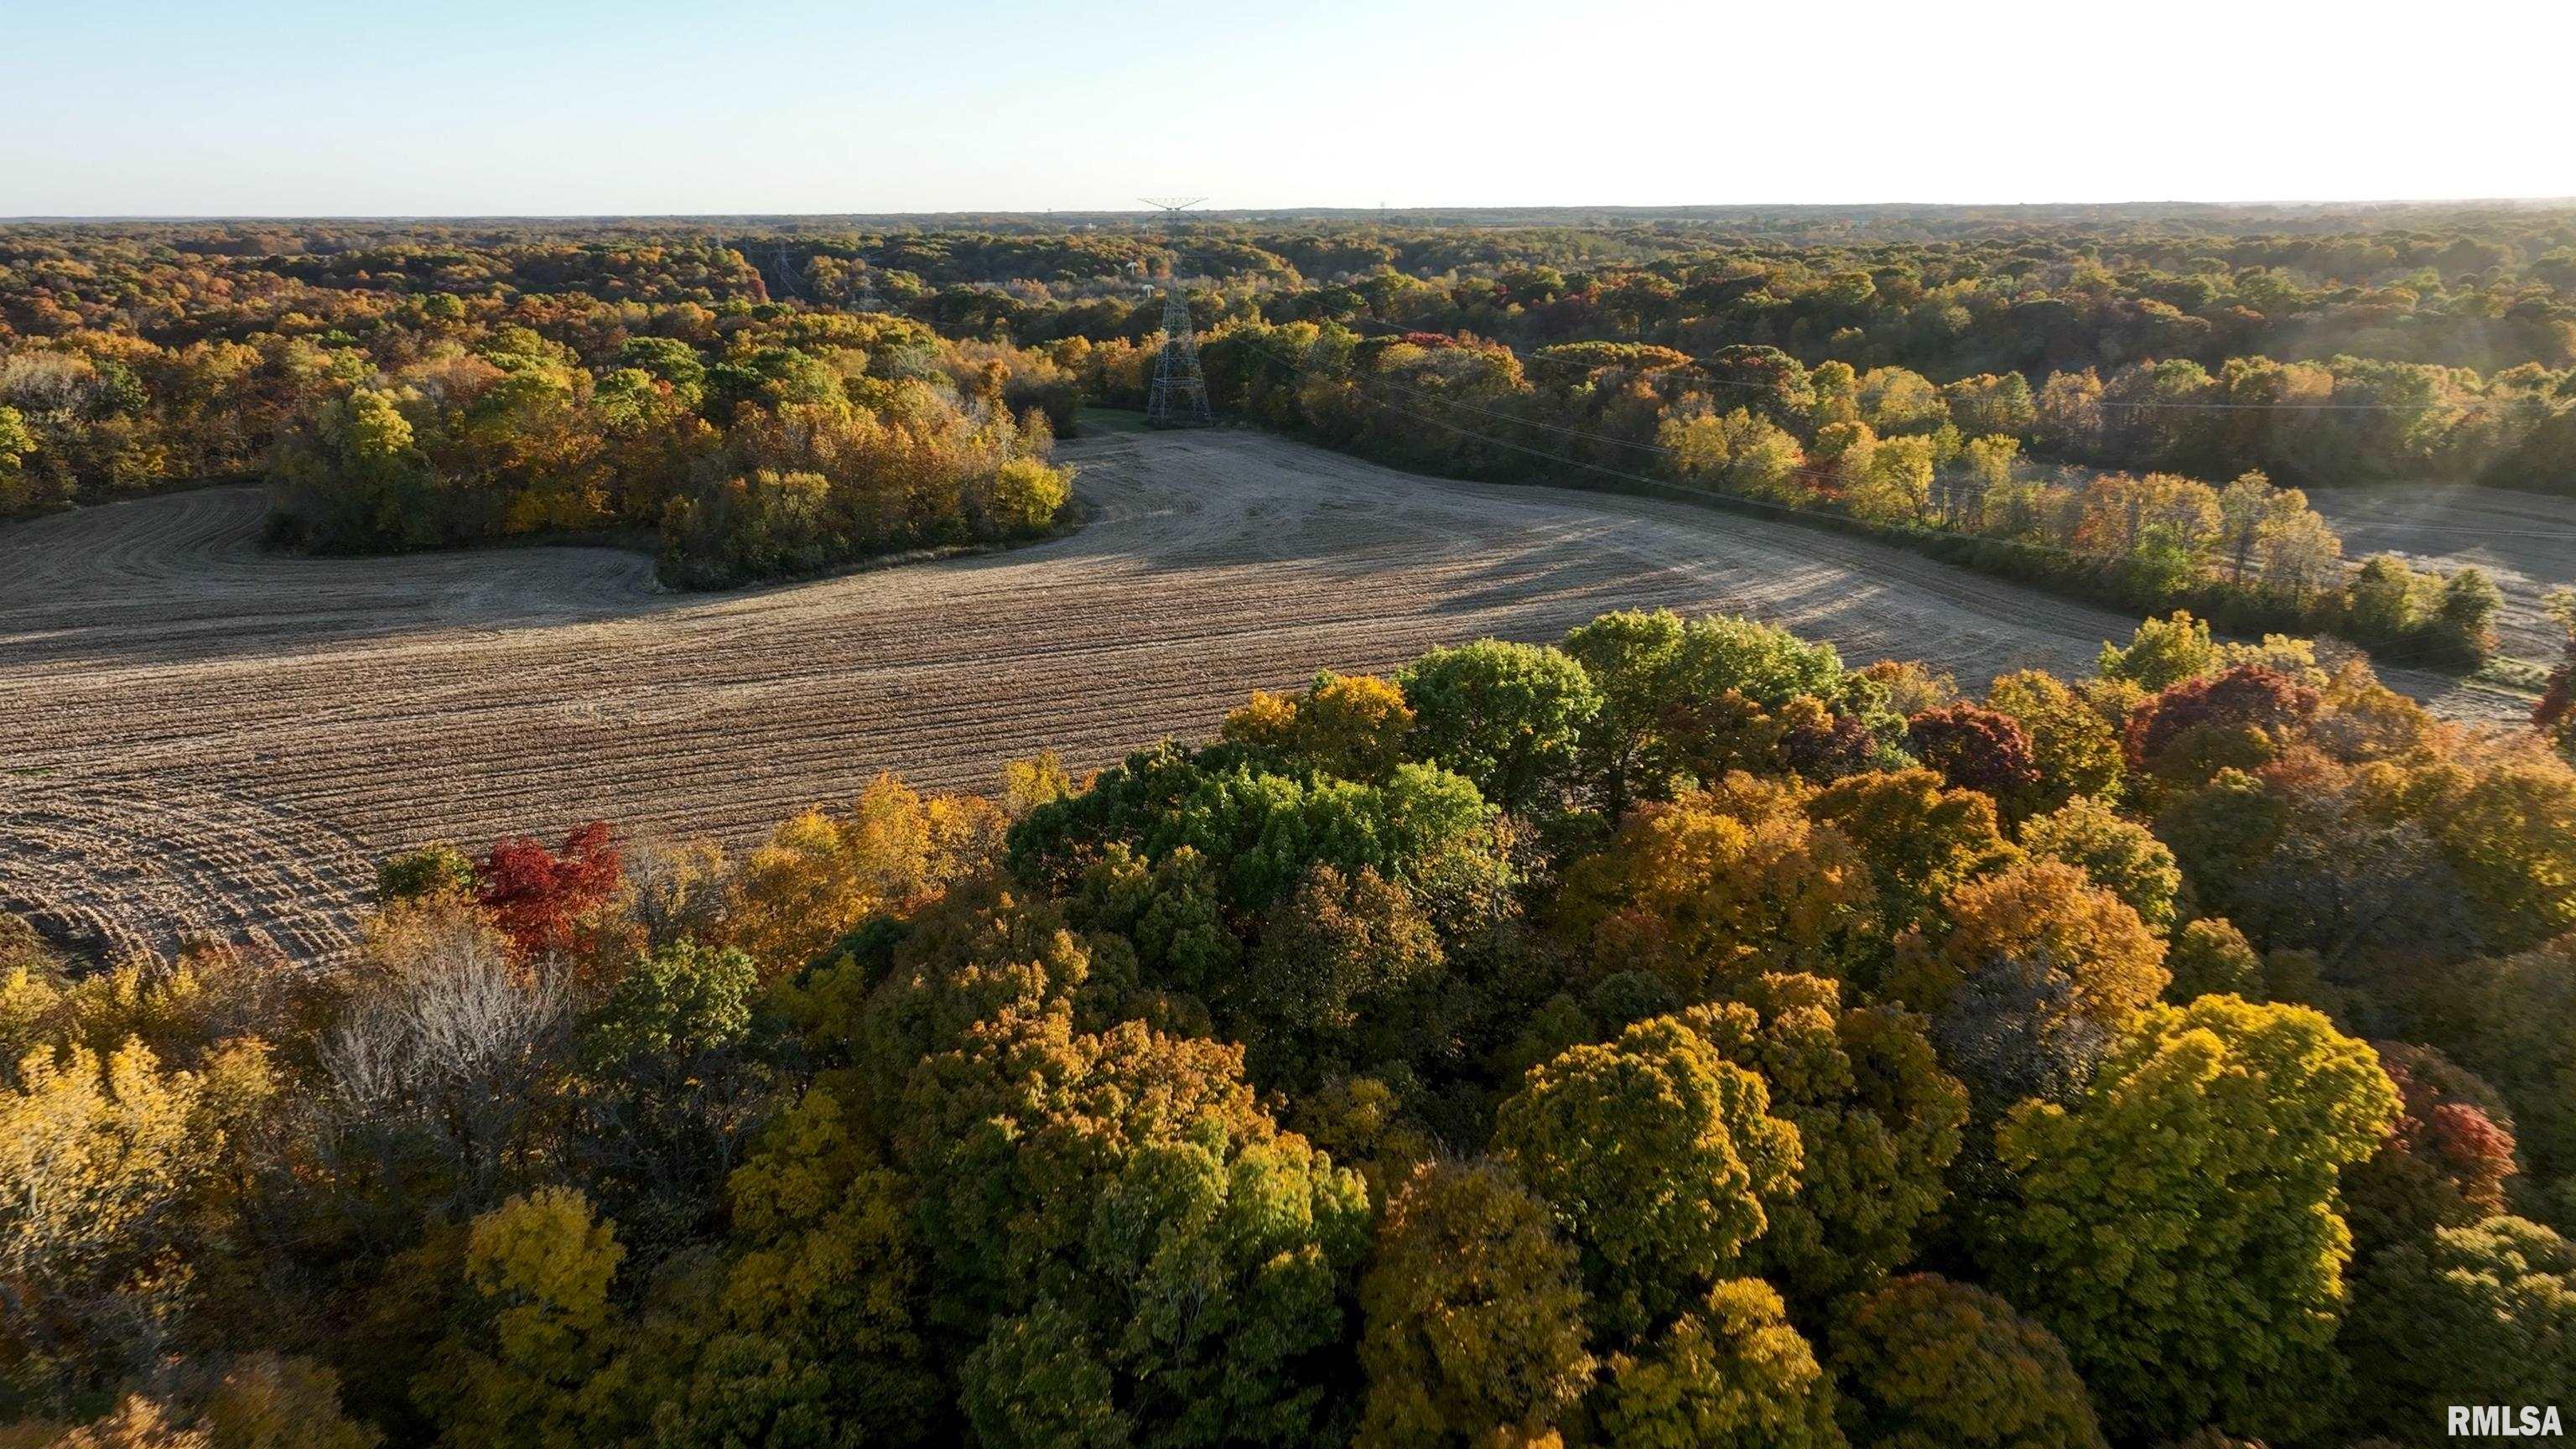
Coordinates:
x,y
1179,398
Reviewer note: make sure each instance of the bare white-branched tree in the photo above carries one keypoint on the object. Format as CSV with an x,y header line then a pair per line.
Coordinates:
x,y
450,1039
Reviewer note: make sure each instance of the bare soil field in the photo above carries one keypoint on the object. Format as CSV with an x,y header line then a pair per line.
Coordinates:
x,y
200,738
2526,542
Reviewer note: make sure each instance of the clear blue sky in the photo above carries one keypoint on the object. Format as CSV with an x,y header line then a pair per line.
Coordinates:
x,y
289,107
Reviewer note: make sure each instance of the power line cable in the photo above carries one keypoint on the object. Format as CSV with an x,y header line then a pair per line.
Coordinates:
x,y
1806,472
1703,371
1662,483
2383,656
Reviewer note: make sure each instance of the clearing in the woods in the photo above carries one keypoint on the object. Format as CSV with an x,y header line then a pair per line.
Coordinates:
x,y
203,738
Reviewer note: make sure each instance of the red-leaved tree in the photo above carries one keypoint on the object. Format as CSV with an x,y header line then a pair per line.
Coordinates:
x,y
2444,1164
2223,716
1975,748
538,897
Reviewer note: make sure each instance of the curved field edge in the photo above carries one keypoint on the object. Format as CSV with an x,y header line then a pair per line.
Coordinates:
x,y
201,737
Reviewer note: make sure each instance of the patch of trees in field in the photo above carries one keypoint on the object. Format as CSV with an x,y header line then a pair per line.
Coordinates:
x,y
1672,1035
798,445
742,440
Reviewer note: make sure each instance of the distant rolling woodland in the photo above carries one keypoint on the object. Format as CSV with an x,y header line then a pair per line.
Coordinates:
x,y
1879,827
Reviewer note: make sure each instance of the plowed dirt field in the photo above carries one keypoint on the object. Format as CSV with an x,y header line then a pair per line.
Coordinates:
x,y
199,737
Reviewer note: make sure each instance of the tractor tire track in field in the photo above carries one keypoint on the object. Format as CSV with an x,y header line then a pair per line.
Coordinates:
x,y
200,738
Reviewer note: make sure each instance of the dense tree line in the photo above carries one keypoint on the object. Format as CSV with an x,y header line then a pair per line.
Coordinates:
x,y
1671,1035
1885,450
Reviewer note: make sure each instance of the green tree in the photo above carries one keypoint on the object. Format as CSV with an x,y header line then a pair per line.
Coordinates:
x,y
2518,1030
1506,716
433,870
1764,663
17,442
667,1089
1012,1136
680,1001
2162,653
1205,1307
2463,616
1261,831
2211,957
1926,1363
2380,600
1730,1370
1171,912
2484,1314
1658,1154
2176,1224
359,477
2555,715
1040,1380
1631,658
1326,990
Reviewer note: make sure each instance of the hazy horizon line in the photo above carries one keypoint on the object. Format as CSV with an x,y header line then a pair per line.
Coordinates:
x,y
1293,210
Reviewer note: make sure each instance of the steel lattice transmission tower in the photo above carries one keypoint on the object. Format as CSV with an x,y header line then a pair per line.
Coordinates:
x,y
1179,398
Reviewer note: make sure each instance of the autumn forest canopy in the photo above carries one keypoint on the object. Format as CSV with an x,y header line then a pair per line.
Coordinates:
x,y
1674,1033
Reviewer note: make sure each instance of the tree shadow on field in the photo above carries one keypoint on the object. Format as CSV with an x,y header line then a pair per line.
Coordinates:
x,y
181,579
1591,572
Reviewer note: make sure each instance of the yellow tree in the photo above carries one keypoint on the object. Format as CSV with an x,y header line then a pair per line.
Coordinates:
x,y
2176,1225
1657,1154
2119,855
1473,1316
1878,1121
111,1171
1920,838
1718,883
1350,725
1892,483
1353,725
2075,747
1926,1363
538,1326
1730,1370
821,875
2045,918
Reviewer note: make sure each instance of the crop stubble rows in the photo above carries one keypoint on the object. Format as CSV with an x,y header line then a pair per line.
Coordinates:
x,y
202,738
